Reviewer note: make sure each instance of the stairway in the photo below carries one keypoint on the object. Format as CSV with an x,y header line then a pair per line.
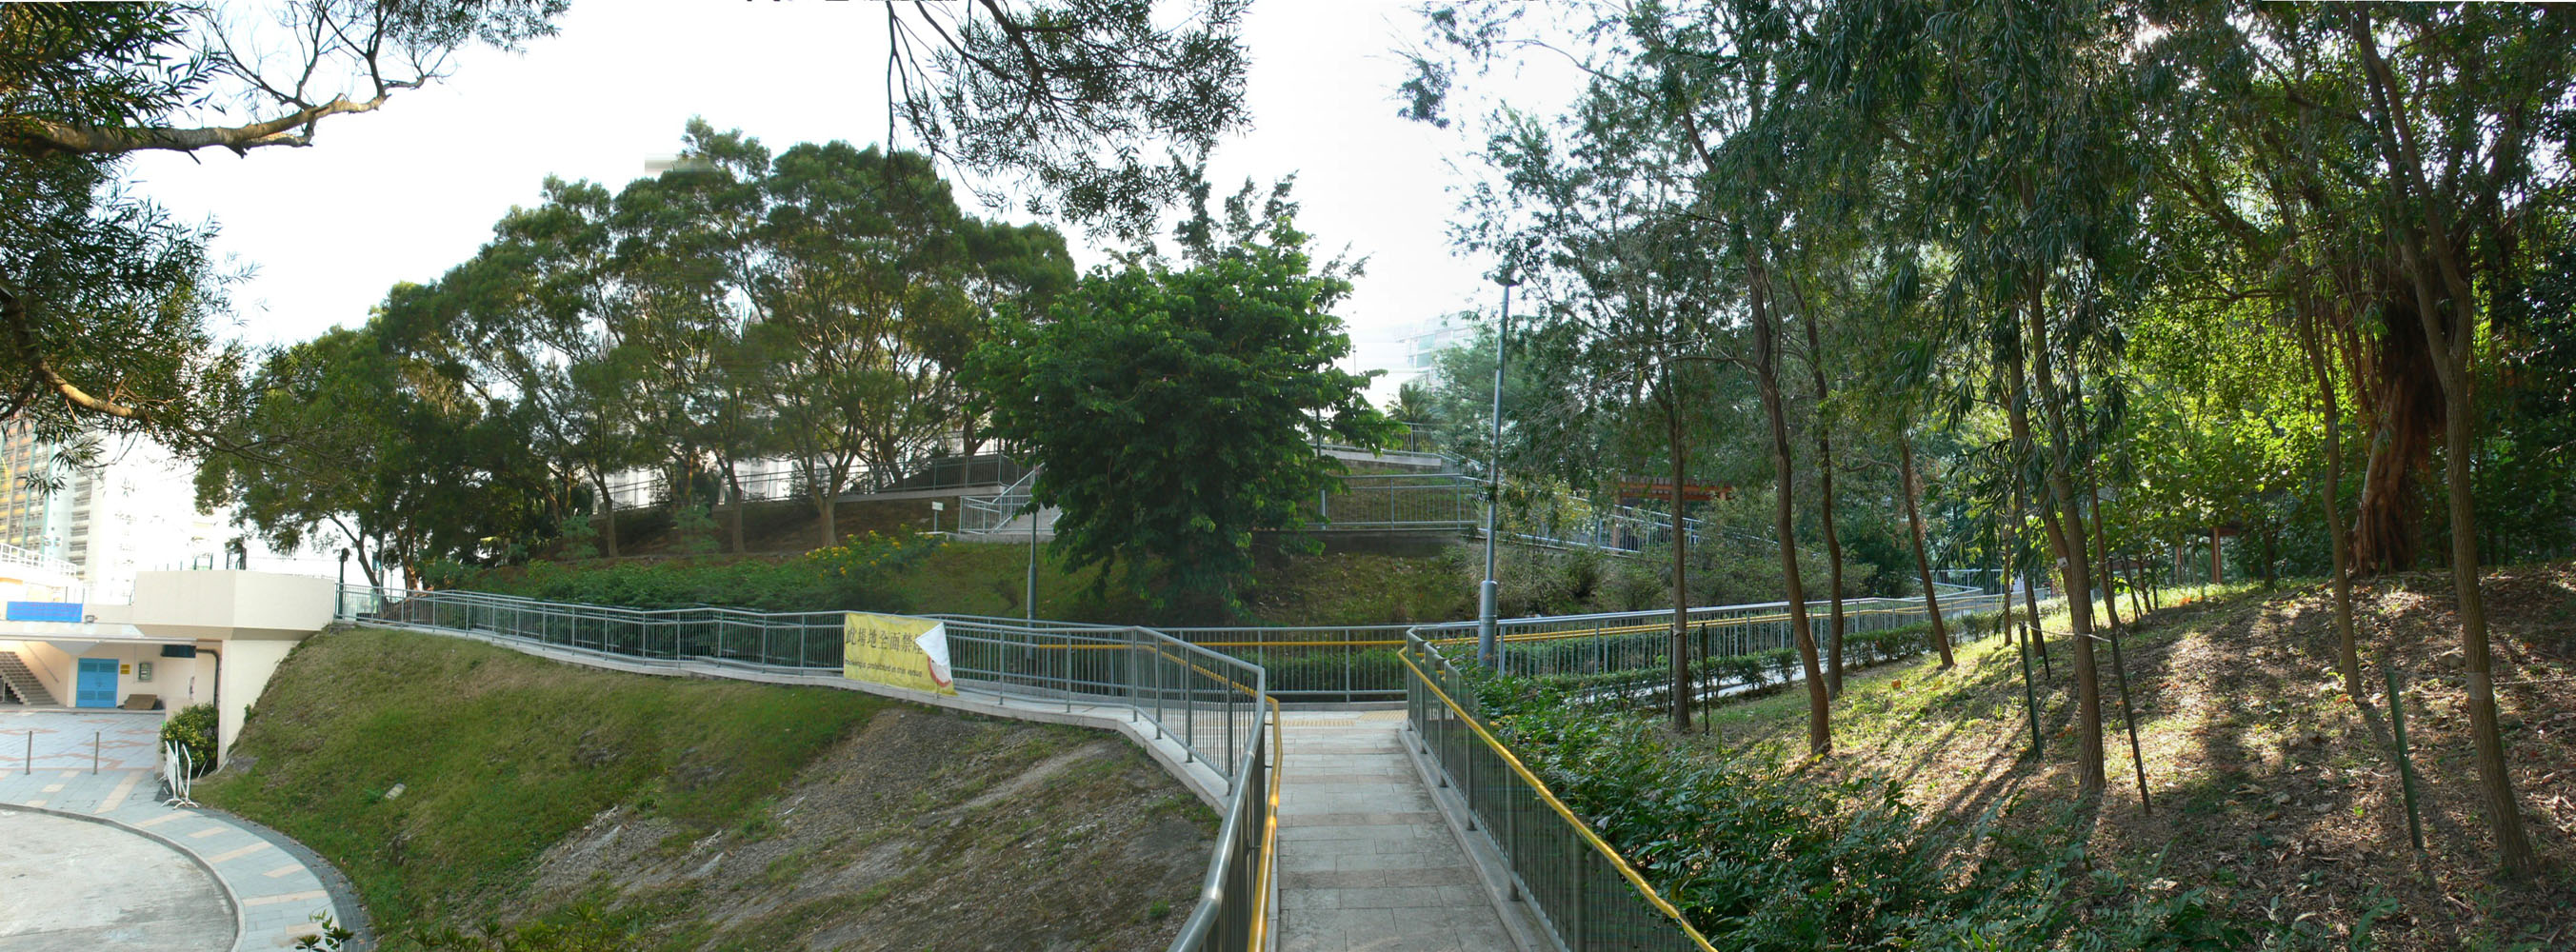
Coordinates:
x,y
20,684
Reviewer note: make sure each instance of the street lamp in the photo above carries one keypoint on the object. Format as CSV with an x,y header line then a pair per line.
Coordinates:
x,y
342,593
1488,640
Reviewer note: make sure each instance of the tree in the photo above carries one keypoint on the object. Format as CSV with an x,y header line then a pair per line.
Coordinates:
x,y
1174,409
105,302
1075,95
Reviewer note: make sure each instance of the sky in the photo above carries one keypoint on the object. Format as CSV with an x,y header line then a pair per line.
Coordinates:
x,y
409,191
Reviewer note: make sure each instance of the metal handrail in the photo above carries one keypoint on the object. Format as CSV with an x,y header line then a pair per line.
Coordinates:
x,y
1566,904
864,478
1213,706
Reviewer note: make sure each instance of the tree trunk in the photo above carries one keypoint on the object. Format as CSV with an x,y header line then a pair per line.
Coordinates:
x,y
733,484
608,514
1922,564
2451,337
824,505
1766,360
2066,538
1676,437
2338,537
2030,582
2102,533
1833,536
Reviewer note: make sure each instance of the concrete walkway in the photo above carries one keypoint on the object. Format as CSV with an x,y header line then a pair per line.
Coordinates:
x,y
267,895
1365,860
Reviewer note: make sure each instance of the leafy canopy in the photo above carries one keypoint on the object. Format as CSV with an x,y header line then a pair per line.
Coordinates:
x,y
1174,408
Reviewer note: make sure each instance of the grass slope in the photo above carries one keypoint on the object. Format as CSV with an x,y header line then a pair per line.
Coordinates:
x,y
2271,787
499,756
552,808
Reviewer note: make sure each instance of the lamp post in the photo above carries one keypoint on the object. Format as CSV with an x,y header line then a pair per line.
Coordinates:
x,y
1488,640
341,594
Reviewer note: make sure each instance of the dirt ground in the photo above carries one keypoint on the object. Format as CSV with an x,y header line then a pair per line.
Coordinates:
x,y
2271,788
923,830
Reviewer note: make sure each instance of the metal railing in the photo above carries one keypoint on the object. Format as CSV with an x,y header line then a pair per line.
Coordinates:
x,y
178,774
991,513
1639,642
1212,706
1575,881
632,490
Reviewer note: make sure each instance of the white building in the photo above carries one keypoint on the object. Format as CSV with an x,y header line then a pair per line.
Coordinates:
x,y
135,512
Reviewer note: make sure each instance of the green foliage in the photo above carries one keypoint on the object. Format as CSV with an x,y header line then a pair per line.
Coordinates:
x,y
1076,95
1726,839
860,575
1173,408
193,729
112,304
696,529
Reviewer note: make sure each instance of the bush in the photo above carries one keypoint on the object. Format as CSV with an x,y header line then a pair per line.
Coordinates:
x,y
695,530
1759,858
193,729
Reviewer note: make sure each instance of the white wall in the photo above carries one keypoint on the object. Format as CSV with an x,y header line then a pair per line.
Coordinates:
x,y
246,667
230,605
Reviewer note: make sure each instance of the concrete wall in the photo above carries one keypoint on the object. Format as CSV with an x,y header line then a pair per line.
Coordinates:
x,y
230,605
246,667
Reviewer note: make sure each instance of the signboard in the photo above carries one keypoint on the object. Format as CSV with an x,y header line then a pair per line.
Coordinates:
x,y
895,651
44,611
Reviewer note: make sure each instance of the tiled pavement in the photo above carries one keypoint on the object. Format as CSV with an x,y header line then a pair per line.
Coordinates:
x,y
1365,860
275,893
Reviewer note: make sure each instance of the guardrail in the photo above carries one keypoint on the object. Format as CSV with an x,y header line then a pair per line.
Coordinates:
x,y
991,513
925,473
1577,883
1214,707
1637,640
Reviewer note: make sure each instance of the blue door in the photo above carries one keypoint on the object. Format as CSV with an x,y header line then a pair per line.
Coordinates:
x,y
97,683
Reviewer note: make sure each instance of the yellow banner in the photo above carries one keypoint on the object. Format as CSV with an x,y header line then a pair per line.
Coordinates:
x,y
898,652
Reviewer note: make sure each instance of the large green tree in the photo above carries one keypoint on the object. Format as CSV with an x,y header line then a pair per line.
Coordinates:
x,y
1174,408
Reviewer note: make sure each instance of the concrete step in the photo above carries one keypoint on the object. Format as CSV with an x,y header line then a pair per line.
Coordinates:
x,y
21,682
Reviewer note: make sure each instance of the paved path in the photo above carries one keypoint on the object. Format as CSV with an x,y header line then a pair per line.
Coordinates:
x,y
1365,860
267,896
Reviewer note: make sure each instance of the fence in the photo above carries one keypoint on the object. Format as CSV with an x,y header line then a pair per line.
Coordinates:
x,y
1213,706
178,774
1627,655
926,473
990,513
1577,883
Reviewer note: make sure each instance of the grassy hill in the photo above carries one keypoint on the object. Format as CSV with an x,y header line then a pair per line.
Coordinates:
x,y
2271,788
482,798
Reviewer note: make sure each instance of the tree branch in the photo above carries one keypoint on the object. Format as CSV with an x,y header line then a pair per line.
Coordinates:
x,y
60,137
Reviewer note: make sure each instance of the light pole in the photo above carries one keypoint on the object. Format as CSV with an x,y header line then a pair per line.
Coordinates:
x,y
340,596
1488,640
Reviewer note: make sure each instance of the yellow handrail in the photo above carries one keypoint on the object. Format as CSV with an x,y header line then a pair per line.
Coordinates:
x,y
1269,838
1549,797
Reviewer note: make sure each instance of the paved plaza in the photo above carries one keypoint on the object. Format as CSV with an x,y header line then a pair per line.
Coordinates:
x,y
1366,864
95,860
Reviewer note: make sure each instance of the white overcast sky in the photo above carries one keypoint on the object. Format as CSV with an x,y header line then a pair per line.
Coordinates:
x,y
407,192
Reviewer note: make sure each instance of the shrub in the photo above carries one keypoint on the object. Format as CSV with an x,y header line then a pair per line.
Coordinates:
x,y
695,530
193,729
1759,858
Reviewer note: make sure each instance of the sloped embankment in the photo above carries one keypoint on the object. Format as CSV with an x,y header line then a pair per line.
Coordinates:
x,y
475,794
